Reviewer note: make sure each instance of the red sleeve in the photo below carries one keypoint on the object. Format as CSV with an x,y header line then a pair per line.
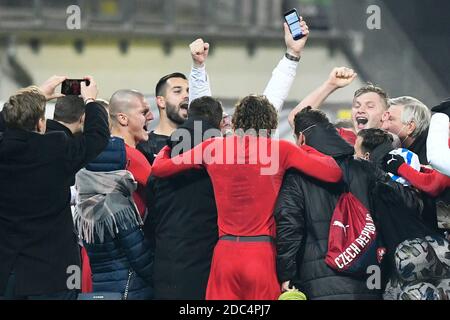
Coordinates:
x,y
164,166
431,182
138,166
311,162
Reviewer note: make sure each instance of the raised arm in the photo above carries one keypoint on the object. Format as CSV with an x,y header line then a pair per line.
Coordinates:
x,y
164,166
48,89
338,78
438,151
283,75
311,162
198,78
85,148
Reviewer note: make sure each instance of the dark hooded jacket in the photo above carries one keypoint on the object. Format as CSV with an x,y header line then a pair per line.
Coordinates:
x,y
303,214
182,222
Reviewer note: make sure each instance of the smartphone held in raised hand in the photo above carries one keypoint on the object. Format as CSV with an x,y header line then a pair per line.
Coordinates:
x,y
293,21
72,87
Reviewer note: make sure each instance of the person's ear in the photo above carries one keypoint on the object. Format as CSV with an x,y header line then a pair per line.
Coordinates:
x,y
161,102
410,128
82,119
385,116
300,139
303,141
122,119
41,126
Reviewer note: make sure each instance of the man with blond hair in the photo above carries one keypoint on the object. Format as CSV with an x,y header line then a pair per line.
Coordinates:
x,y
369,106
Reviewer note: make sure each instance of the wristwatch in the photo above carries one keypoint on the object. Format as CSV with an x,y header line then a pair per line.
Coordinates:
x,y
89,100
291,57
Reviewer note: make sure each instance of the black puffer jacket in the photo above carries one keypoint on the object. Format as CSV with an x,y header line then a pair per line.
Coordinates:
x,y
303,213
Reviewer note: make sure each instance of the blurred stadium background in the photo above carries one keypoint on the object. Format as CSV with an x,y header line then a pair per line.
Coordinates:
x,y
132,43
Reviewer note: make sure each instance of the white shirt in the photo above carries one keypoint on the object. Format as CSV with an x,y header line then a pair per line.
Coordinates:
x,y
438,152
280,84
198,83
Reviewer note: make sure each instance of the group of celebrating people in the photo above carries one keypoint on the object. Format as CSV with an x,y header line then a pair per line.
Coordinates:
x,y
205,208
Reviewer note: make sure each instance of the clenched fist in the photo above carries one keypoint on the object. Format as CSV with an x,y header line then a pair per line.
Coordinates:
x,y
341,77
199,52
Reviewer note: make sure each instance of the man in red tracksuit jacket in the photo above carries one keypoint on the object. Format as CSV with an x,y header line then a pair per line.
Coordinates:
x,y
247,171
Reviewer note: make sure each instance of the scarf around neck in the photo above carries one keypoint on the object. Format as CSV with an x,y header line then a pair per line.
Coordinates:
x,y
105,203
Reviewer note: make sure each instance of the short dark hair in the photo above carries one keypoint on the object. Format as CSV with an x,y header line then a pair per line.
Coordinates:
x,y
372,138
308,117
208,108
372,88
255,113
161,85
24,109
69,109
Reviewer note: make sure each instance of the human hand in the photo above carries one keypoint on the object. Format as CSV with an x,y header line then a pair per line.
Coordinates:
x,y
199,52
91,91
393,163
285,286
49,86
341,77
295,47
